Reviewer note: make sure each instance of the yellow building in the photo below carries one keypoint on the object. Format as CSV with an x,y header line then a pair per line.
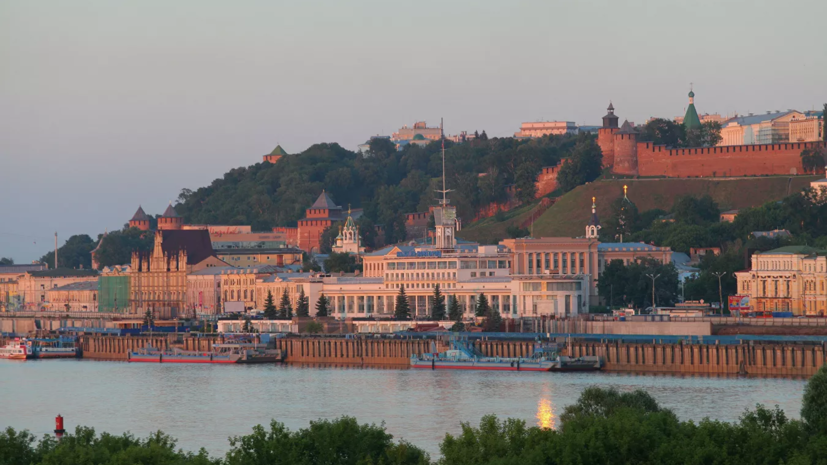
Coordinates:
x,y
238,285
32,288
788,279
246,258
10,298
808,128
158,279
545,128
75,297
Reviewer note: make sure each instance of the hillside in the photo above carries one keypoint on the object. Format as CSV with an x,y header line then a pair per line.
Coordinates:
x,y
569,215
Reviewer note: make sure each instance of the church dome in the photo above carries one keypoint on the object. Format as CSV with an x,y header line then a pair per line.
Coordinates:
x,y
419,137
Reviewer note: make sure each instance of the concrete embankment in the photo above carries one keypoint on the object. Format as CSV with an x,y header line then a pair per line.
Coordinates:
x,y
782,359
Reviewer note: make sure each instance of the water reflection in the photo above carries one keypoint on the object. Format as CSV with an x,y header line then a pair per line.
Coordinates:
x,y
545,414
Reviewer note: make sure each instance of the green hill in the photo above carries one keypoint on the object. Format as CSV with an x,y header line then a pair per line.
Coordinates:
x,y
569,215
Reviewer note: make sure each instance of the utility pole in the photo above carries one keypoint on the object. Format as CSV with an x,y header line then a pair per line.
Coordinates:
x,y
653,278
719,274
55,249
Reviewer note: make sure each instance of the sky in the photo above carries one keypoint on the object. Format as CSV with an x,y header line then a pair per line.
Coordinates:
x,y
105,105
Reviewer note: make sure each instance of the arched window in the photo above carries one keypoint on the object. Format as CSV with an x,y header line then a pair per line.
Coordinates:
x,y
245,294
232,295
252,295
225,294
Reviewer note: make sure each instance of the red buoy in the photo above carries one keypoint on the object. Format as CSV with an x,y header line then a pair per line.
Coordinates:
x,y
59,426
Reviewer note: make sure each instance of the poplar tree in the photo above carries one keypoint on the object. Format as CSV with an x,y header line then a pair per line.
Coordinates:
x,y
403,310
270,307
482,306
438,305
285,308
321,306
303,306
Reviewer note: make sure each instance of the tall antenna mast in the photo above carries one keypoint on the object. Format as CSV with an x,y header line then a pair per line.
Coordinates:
x,y
444,191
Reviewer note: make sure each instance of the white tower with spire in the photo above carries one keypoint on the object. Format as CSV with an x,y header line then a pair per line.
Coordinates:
x,y
349,240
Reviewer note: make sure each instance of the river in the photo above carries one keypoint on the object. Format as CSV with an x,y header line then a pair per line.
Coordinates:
x,y
203,405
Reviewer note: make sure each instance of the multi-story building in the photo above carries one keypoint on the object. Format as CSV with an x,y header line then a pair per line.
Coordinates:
x,y
239,284
76,297
10,298
113,289
545,128
34,285
787,279
246,258
158,279
419,129
810,128
204,291
771,128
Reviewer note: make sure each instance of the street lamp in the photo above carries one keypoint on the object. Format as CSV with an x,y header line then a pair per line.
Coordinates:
x,y
720,274
653,277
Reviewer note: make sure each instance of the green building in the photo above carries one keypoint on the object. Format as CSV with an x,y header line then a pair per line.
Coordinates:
x,y
113,294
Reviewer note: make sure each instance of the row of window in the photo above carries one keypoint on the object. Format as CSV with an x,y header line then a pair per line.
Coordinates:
x,y
418,276
552,287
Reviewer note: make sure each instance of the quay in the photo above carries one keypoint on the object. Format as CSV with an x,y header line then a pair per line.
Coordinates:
x,y
724,355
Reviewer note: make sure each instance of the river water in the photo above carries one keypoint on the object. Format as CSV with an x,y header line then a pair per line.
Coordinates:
x,y
203,405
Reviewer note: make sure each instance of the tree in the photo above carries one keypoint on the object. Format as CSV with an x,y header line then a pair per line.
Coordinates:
x,y
622,284
710,133
515,231
493,320
285,307
403,309
321,307
661,131
340,262
6,261
75,253
303,305
454,310
116,247
814,403
623,220
308,264
694,210
438,305
270,307
248,325
149,319
314,327
584,165
813,159
525,181
482,306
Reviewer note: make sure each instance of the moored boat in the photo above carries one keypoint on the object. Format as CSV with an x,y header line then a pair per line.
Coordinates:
x,y
152,355
18,349
54,348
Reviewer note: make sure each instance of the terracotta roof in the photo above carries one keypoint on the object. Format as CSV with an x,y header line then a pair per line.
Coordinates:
x,y
139,215
170,212
324,201
195,241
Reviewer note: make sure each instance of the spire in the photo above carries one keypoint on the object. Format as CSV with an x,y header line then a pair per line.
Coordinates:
x,y
691,119
593,228
170,212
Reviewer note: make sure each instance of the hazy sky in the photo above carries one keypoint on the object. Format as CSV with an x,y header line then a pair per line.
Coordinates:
x,y
107,105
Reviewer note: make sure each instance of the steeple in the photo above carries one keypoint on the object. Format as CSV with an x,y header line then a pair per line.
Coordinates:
x,y
593,228
691,120
610,120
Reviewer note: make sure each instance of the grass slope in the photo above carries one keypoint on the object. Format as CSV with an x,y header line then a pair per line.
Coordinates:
x,y
569,215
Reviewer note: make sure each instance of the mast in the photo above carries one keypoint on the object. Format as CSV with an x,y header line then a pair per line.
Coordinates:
x,y
444,201
55,249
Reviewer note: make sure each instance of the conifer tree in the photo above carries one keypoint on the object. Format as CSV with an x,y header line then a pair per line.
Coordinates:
x,y
270,307
285,307
454,312
303,306
403,310
482,306
438,305
321,306
493,320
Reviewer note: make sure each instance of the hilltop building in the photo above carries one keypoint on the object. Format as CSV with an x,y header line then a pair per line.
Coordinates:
x,y
348,240
545,128
139,220
771,128
419,132
810,128
275,155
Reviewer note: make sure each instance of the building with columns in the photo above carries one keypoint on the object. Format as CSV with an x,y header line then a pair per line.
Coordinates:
x,y
787,279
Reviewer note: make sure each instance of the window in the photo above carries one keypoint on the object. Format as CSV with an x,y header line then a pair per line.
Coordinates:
x,y
502,265
420,265
452,265
532,287
391,265
473,274
492,264
563,287
431,265
468,265
442,265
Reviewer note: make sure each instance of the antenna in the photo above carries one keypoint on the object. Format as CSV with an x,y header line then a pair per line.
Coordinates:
x,y
444,191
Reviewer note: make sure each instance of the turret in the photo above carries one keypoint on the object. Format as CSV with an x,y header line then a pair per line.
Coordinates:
x,y
625,146
605,136
139,220
170,220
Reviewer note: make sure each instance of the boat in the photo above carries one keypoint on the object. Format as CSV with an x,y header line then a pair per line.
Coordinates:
x,y
250,352
54,348
18,349
152,355
462,356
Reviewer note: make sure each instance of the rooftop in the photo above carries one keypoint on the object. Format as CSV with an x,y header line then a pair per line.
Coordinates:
x,y
755,119
81,286
324,201
195,241
215,270
170,212
20,269
63,273
794,250
139,215
629,246
271,250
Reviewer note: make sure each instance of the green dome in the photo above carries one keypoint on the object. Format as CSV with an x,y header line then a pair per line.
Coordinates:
x,y
419,137
691,94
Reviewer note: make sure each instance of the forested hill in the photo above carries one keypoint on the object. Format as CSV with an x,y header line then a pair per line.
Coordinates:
x,y
386,183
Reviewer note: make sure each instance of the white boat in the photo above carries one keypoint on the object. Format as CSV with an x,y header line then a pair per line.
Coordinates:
x,y
19,349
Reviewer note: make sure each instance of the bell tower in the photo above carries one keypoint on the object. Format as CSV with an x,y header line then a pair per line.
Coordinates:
x,y
593,228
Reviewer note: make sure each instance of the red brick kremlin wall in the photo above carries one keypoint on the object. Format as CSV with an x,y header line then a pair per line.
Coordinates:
x,y
736,160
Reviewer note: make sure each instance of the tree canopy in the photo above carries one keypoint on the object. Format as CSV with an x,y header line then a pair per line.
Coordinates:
x,y
74,253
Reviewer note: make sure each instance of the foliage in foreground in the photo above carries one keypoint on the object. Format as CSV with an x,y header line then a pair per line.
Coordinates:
x,y
603,427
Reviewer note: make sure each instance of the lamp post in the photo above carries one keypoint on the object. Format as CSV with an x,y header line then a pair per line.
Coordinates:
x,y
653,277
720,274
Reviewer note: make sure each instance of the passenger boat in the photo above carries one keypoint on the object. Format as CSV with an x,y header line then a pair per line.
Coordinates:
x,y
19,349
54,348
462,357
